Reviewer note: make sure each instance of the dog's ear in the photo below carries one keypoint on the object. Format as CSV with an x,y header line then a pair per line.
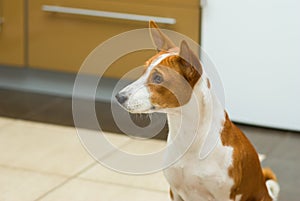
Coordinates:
x,y
191,65
160,40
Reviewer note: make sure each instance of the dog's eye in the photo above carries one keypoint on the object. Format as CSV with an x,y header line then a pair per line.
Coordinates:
x,y
157,78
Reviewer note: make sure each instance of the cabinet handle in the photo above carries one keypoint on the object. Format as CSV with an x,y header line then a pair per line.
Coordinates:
x,y
106,14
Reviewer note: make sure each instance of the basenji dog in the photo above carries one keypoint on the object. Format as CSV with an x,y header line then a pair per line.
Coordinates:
x,y
174,82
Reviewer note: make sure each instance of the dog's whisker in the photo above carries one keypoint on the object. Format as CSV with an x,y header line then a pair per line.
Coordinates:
x,y
150,117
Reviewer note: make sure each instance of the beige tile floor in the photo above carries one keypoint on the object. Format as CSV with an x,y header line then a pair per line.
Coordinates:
x,y
47,162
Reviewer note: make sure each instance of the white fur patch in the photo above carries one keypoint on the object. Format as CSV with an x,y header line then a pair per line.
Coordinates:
x,y
261,157
273,189
157,61
139,101
206,178
238,197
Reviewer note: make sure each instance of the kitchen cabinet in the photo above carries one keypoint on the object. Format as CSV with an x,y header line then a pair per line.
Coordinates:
x,y
12,33
61,39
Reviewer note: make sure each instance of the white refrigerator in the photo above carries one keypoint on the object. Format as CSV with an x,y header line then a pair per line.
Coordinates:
x,y
255,45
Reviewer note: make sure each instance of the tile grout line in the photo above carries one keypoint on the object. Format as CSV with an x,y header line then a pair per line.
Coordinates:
x,y
128,186
64,182
31,170
75,175
123,185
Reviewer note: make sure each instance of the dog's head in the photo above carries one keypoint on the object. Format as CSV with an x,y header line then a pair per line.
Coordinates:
x,y
168,79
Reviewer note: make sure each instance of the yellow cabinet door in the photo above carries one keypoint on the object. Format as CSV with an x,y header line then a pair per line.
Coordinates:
x,y
12,43
61,41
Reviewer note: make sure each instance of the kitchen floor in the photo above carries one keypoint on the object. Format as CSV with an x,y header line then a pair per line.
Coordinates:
x,y
46,161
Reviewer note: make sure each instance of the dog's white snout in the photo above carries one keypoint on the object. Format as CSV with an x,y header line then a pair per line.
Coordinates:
x,y
135,98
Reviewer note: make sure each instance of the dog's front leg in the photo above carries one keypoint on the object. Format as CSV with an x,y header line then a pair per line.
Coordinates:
x,y
174,196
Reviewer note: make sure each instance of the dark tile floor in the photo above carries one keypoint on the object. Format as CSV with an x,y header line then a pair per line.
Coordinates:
x,y
281,147
58,110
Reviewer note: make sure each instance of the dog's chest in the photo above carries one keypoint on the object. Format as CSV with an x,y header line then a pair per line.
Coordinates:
x,y
208,180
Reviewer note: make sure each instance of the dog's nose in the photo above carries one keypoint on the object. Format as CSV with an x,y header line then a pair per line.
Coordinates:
x,y
122,98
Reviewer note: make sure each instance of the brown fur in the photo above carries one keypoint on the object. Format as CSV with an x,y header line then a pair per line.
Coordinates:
x,y
179,78
175,90
171,195
246,171
180,73
208,83
269,174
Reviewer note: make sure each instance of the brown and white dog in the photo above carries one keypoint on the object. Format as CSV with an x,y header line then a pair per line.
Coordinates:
x,y
174,82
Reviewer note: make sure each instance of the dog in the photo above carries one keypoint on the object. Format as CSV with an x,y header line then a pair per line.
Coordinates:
x,y
174,82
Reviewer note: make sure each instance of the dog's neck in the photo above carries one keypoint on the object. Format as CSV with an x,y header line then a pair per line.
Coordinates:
x,y
200,120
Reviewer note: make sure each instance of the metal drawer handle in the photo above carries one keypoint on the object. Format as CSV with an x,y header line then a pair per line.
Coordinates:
x,y
115,15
